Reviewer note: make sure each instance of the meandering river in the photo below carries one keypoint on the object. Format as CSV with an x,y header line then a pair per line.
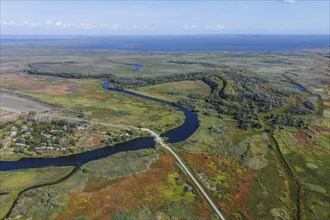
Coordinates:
x,y
172,136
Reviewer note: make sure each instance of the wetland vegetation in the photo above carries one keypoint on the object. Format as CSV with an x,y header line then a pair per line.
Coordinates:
x,y
261,148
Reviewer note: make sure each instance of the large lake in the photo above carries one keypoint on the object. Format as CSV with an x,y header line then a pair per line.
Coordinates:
x,y
177,43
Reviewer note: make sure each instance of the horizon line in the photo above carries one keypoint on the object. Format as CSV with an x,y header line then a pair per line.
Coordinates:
x,y
106,35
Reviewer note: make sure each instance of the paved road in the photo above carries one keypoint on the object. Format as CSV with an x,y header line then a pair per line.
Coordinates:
x,y
161,142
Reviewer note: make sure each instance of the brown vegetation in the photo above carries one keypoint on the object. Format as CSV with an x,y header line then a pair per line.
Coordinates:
x,y
35,84
300,137
243,192
234,187
62,89
95,96
127,193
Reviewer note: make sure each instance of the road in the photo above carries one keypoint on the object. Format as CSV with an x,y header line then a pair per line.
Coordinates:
x,y
161,142
88,121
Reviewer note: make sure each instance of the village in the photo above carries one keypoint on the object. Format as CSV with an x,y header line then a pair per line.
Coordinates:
x,y
32,135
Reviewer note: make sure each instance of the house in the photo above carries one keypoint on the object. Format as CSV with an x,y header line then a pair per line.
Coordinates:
x,y
13,134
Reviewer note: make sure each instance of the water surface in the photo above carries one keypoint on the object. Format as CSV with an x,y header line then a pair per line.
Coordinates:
x,y
180,43
301,89
177,134
172,136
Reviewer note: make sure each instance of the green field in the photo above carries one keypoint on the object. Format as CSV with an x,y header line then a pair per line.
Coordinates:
x,y
175,91
96,103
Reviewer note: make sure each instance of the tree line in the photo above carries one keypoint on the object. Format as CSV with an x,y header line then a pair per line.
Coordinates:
x,y
244,105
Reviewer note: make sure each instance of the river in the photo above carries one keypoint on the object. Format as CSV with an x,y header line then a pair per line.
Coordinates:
x,y
301,89
172,136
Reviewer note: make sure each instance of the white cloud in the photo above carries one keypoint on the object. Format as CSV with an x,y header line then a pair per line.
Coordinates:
x,y
49,24
191,27
85,26
32,24
28,23
214,27
63,24
115,27
8,23
24,23
220,26
194,27
290,1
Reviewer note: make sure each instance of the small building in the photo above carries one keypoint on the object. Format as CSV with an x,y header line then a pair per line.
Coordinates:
x,y
13,134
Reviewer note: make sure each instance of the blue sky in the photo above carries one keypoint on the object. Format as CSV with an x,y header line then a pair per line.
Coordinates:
x,y
165,17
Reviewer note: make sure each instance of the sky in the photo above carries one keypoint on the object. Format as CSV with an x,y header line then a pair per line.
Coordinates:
x,y
164,17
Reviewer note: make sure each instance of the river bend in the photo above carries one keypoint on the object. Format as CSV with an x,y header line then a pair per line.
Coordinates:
x,y
172,136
